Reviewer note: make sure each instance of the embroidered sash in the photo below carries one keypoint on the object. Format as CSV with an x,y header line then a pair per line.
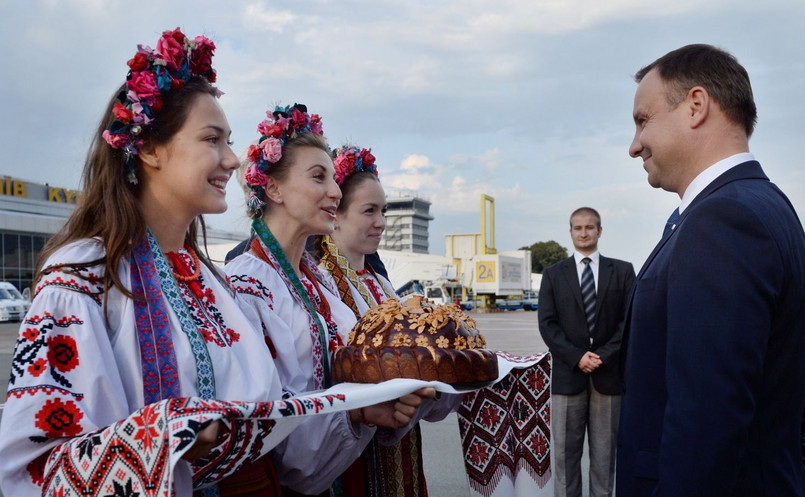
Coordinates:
x,y
152,277
319,333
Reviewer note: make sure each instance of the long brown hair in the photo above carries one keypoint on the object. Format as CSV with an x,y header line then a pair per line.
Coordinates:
x,y
109,208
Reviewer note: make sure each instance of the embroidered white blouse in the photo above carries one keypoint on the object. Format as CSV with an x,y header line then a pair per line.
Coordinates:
x,y
74,372
322,448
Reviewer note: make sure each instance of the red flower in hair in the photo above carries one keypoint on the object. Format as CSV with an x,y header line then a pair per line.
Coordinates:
x,y
254,153
171,47
298,119
138,62
367,157
121,113
201,58
62,353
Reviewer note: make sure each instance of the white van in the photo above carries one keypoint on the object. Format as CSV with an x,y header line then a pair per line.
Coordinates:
x,y
13,305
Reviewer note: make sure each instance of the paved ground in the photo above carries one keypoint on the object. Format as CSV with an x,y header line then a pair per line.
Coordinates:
x,y
512,331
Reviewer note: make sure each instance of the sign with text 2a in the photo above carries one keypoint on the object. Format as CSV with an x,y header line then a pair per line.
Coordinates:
x,y
485,271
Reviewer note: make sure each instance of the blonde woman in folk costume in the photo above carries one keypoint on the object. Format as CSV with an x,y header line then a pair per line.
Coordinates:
x,y
293,195
125,276
385,469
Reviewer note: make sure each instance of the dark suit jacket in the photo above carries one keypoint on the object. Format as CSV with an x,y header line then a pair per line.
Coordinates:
x,y
715,350
563,325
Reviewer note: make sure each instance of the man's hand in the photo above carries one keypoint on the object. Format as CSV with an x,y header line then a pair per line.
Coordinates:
x,y
589,362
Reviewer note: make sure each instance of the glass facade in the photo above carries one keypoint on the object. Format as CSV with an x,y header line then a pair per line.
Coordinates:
x,y
19,253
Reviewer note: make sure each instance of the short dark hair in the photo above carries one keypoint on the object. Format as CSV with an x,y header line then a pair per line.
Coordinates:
x,y
586,210
717,71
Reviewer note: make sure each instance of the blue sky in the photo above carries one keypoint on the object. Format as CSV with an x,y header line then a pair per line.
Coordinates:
x,y
529,102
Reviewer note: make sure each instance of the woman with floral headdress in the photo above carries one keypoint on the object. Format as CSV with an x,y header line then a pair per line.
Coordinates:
x,y
391,469
127,311
293,195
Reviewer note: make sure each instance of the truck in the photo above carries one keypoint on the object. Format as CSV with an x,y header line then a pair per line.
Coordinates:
x,y
498,280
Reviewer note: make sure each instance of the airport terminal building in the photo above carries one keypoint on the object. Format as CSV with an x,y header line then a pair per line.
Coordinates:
x,y
31,212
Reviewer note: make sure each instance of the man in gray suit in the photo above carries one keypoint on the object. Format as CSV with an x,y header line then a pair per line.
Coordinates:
x,y
582,301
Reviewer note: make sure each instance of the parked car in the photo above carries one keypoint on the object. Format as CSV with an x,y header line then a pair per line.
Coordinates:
x,y
14,305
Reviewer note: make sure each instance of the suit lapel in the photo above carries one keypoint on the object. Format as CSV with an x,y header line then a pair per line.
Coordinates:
x,y
572,278
604,277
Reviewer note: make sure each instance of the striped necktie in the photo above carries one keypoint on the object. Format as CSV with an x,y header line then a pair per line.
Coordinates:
x,y
588,294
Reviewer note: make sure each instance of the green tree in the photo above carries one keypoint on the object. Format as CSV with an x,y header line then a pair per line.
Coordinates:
x,y
544,254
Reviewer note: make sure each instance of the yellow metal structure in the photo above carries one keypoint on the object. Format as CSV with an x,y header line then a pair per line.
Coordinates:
x,y
486,200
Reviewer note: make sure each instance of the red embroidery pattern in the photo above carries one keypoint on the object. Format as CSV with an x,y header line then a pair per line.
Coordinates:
x,y
377,292
505,428
59,419
248,285
78,279
205,314
37,348
134,456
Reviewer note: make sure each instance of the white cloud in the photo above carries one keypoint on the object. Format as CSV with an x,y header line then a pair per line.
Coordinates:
x,y
259,17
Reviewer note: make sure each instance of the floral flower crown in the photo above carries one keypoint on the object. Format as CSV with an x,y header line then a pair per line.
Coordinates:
x,y
350,159
152,73
282,125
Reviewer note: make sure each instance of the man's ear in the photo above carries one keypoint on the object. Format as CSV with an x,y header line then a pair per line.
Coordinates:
x,y
273,190
149,156
697,106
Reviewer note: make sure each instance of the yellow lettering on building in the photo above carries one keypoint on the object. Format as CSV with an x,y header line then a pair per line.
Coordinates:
x,y
19,189
72,196
54,194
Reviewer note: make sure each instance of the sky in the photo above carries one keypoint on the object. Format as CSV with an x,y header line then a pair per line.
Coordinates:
x,y
527,101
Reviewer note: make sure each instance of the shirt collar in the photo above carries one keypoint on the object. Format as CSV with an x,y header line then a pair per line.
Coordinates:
x,y
593,257
707,176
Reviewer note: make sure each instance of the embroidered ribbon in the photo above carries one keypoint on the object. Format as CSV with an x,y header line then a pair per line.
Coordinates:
x,y
331,266
158,359
341,262
277,258
204,368
151,272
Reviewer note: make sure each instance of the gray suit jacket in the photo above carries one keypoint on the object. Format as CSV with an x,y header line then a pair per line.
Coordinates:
x,y
563,325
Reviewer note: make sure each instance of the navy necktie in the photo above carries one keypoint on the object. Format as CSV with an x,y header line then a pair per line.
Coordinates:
x,y
588,294
671,222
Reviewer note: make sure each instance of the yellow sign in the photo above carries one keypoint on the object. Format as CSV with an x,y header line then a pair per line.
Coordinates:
x,y
485,272
12,187
37,191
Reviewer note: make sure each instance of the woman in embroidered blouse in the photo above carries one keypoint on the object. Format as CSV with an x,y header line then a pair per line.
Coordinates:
x,y
293,195
394,469
159,160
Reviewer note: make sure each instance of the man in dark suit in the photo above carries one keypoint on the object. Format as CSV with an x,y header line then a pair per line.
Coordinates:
x,y
582,301
714,342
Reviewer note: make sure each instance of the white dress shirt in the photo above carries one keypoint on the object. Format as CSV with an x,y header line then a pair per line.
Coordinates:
x,y
707,176
594,257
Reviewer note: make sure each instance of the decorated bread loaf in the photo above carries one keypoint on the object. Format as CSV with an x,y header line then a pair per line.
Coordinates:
x,y
415,339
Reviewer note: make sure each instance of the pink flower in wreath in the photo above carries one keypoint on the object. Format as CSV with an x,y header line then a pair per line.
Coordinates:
x,y
268,128
116,141
255,178
171,47
342,168
315,124
272,149
144,84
